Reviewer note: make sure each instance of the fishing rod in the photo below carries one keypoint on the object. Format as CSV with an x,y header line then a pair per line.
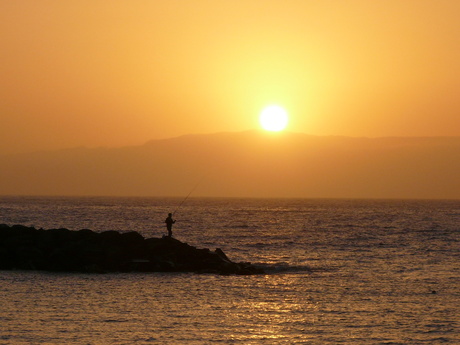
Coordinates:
x,y
187,196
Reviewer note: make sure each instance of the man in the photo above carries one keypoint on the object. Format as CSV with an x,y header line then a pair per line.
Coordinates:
x,y
169,223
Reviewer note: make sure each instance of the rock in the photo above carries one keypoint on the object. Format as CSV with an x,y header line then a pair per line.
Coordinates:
x,y
63,250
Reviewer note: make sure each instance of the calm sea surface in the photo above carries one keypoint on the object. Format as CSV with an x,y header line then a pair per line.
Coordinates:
x,y
339,272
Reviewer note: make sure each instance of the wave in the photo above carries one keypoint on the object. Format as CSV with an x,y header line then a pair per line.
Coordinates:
x,y
284,267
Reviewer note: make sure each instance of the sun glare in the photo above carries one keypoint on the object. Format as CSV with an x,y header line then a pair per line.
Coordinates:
x,y
273,118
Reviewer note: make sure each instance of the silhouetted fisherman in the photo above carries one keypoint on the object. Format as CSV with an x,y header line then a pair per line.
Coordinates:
x,y
169,223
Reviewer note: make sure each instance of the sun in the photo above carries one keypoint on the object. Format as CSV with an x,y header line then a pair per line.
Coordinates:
x,y
273,118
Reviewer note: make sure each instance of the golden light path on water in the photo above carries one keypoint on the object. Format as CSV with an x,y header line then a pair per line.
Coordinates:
x,y
276,315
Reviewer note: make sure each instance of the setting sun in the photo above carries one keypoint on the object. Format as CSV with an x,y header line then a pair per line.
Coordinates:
x,y
273,118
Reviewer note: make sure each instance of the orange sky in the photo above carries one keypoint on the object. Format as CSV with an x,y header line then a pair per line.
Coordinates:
x,y
113,73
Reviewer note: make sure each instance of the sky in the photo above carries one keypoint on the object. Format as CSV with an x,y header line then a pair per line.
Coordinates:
x,y
115,73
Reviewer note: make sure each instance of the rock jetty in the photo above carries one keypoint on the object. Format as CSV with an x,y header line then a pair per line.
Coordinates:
x,y
63,250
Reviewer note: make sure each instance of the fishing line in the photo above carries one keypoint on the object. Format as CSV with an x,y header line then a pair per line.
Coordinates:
x,y
188,195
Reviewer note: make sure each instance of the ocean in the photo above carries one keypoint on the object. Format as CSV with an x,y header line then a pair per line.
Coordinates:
x,y
337,272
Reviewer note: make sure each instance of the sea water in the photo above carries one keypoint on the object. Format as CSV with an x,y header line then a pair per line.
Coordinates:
x,y
338,272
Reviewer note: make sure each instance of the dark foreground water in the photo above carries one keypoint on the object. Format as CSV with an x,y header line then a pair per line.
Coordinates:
x,y
339,272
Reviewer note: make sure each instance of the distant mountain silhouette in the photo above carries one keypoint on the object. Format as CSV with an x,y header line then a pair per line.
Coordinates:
x,y
252,164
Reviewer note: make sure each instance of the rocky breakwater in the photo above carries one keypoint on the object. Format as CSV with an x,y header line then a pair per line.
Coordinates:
x,y
63,250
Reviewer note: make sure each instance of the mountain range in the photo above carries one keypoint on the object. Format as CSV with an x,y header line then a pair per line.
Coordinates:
x,y
245,164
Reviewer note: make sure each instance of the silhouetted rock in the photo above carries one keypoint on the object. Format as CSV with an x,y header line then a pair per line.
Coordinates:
x,y
62,250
